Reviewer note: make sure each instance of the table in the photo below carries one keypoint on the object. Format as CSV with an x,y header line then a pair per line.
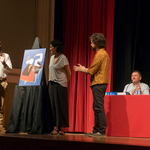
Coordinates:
x,y
128,115
30,110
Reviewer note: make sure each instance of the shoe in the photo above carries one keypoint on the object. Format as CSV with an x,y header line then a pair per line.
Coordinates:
x,y
89,134
61,133
97,134
54,132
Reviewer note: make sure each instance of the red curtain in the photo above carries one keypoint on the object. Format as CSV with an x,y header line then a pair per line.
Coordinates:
x,y
81,19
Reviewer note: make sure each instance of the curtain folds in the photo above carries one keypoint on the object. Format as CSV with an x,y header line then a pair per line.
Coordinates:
x,y
81,19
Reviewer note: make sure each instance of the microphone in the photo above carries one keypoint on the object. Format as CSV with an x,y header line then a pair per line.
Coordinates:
x,y
127,93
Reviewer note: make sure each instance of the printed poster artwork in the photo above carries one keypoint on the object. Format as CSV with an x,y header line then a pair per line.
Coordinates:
x,y
32,67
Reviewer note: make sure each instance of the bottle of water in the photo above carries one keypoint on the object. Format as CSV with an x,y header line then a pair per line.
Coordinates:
x,y
138,92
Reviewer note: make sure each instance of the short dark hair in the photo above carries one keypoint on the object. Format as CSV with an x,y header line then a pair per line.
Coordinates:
x,y
98,39
58,44
140,74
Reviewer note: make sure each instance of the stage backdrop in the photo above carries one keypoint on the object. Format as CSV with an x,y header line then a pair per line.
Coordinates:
x,y
131,41
81,19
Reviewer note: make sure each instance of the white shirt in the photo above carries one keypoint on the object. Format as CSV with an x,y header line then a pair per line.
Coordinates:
x,y
57,72
5,69
130,87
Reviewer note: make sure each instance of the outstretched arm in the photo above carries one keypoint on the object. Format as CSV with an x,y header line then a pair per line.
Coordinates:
x,y
80,68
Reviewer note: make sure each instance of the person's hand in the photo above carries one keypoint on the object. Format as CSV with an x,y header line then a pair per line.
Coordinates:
x,y
79,67
138,88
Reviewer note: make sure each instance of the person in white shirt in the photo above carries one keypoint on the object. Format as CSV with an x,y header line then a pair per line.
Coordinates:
x,y
136,87
5,67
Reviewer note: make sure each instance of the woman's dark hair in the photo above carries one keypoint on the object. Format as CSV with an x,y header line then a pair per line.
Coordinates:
x,y
98,39
58,44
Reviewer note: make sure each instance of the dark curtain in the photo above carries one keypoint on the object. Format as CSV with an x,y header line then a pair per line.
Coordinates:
x,y
81,18
58,20
131,41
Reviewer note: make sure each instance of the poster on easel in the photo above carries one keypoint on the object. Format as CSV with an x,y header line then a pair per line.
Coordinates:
x,y
32,67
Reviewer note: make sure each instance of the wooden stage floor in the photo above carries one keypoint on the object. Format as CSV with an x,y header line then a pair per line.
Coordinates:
x,y
71,141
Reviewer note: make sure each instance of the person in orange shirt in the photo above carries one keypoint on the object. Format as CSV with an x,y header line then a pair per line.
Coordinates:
x,y
99,71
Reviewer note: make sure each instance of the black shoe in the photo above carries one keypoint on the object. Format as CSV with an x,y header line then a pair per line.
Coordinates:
x,y
89,134
97,134
54,132
61,133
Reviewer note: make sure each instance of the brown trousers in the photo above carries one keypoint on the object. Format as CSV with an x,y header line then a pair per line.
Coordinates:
x,y
3,88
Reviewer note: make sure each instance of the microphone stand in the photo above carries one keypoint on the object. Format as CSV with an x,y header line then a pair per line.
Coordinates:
x,y
127,93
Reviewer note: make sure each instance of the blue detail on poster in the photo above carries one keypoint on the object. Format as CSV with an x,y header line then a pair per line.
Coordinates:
x,y
32,67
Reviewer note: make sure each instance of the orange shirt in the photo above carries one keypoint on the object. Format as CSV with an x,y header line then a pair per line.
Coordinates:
x,y
99,68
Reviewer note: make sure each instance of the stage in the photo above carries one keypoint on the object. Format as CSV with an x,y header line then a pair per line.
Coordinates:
x,y
126,127
71,141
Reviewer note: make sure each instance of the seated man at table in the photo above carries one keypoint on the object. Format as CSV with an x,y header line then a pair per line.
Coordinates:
x,y
136,87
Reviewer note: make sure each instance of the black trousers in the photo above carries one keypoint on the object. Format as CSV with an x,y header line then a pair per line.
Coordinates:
x,y
98,107
59,104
